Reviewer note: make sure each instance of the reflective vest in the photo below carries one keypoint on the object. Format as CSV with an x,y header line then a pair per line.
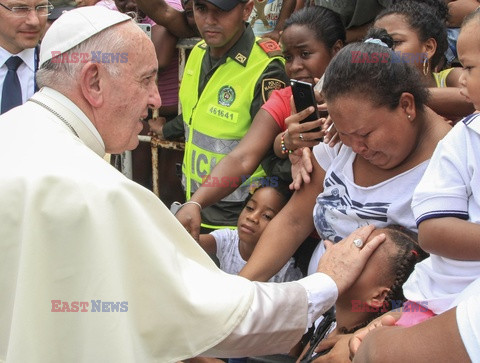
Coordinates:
x,y
216,121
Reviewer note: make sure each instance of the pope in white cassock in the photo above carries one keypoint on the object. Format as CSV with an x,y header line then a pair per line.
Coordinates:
x,y
93,267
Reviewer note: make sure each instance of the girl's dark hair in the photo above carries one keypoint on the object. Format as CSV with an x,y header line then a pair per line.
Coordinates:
x,y
439,6
427,19
380,34
273,182
326,24
400,266
373,71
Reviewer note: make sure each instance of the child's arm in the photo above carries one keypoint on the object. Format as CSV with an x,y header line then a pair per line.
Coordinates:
x,y
208,243
450,237
446,198
449,103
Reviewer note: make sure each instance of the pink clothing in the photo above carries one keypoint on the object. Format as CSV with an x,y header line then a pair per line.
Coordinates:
x,y
109,4
168,78
147,20
278,106
413,314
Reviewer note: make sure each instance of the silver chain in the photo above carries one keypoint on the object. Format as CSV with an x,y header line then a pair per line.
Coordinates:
x,y
56,114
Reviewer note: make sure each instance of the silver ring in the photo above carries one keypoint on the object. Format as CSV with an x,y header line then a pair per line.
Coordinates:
x,y
301,136
358,242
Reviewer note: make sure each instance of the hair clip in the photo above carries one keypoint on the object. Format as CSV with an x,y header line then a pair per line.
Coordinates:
x,y
376,41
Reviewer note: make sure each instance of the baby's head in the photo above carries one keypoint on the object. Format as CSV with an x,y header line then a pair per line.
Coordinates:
x,y
468,48
379,287
260,208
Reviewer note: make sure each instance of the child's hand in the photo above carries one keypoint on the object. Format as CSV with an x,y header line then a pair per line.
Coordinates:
x,y
388,319
156,126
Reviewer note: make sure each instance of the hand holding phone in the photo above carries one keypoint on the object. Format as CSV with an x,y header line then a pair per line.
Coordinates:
x,y
304,97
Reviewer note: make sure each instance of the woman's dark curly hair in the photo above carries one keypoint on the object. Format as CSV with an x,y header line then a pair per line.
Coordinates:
x,y
426,19
382,82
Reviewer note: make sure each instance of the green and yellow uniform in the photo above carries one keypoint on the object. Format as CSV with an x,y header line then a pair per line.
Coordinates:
x,y
220,98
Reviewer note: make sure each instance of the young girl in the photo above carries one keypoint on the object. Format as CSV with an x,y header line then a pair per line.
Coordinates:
x,y
379,287
309,41
234,247
420,38
446,203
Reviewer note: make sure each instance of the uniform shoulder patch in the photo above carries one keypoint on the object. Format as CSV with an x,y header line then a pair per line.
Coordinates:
x,y
269,85
270,47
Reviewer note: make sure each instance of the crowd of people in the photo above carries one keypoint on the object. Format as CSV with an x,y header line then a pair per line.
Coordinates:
x,y
370,255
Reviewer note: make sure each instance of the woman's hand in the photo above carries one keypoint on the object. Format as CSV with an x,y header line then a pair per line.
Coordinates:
x,y
302,167
331,135
300,134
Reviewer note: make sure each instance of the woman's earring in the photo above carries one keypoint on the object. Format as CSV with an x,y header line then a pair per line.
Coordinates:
x,y
426,66
409,117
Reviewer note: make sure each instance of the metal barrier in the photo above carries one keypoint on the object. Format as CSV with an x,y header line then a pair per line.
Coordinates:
x,y
155,143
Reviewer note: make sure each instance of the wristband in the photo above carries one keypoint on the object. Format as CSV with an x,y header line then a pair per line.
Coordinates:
x,y
282,144
176,206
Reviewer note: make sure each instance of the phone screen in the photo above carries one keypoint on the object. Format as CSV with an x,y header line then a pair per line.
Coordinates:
x,y
304,97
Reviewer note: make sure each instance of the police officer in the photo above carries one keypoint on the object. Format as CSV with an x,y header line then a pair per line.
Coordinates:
x,y
227,78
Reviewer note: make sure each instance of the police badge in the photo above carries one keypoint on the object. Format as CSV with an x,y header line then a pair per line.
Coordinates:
x,y
226,96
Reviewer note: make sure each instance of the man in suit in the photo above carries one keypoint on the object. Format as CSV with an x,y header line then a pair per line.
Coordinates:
x,y
21,26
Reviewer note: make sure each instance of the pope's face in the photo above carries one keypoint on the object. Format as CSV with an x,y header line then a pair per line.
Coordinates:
x,y
129,94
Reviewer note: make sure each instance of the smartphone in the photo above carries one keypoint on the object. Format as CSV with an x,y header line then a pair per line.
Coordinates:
x,y
304,97
147,28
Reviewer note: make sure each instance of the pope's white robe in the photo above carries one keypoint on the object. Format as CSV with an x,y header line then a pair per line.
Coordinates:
x,y
74,229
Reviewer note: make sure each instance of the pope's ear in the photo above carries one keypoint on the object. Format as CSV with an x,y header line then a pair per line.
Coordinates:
x,y
91,83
